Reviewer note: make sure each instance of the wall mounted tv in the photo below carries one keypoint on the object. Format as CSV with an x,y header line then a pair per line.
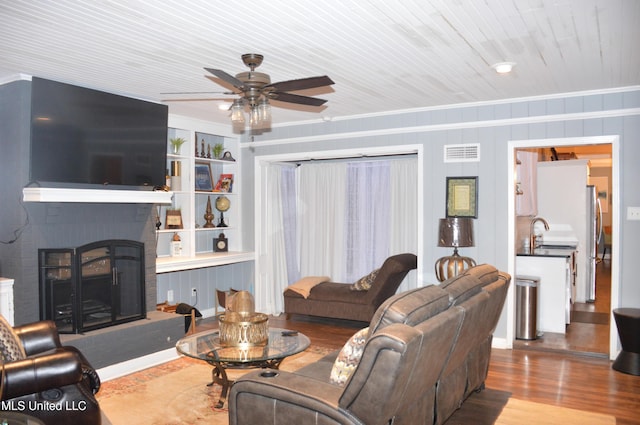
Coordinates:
x,y
84,137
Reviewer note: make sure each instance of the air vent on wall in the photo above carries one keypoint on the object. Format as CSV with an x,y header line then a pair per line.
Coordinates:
x,y
469,152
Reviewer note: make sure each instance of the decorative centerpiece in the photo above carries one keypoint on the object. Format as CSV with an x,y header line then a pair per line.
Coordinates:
x,y
240,325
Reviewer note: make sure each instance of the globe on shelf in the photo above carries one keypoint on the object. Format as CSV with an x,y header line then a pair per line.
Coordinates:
x,y
222,205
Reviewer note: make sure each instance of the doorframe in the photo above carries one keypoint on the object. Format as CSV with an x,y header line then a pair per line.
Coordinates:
x,y
262,232
512,146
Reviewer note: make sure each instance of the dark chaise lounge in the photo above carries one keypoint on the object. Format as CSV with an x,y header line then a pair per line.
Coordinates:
x,y
339,301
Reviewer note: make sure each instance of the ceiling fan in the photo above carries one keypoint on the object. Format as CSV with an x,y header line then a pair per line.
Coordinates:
x,y
256,90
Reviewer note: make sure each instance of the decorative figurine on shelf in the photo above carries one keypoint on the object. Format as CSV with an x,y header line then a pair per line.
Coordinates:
x,y
202,154
208,215
176,246
209,151
196,146
222,205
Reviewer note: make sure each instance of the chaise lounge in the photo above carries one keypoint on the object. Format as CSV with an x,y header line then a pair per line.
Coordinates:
x,y
339,301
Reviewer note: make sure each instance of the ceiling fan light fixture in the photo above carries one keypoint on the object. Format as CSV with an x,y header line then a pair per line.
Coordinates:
x,y
503,67
264,110
237,112
255,89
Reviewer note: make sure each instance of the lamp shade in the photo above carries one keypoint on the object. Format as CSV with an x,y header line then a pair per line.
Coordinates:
x,y
455,232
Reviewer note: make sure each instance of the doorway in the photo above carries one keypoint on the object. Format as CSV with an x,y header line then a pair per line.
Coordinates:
x,y
591,330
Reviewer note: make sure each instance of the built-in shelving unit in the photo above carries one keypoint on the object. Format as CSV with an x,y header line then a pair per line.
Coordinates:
x,y
197,240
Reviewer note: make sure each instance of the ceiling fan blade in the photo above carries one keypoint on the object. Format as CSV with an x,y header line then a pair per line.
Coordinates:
x,y
200,92
294,98
201,99
226,77
301,84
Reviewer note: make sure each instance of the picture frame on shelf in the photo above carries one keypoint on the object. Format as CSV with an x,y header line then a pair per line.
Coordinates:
x,y
173,220
203,180
462,197
225,183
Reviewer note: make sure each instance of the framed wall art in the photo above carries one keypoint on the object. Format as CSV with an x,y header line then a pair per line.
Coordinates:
x,y
203,177
462,197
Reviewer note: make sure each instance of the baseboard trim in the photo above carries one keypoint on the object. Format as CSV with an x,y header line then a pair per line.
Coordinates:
x,y
501,343
134,365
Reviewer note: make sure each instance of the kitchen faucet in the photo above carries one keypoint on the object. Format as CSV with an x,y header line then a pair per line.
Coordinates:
x,y
532,232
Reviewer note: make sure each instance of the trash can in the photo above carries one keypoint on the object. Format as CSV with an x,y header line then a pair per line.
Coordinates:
x,y
527,307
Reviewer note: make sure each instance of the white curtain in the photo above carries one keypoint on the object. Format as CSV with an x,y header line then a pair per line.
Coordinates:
x,y
338,219
321,205
290,221
368,214
274,280
404,212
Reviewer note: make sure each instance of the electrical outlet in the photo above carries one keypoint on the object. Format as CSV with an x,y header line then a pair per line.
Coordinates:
x,y
170,296
194,292
633,213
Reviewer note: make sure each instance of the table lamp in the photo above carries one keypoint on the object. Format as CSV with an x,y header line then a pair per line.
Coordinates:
x,y
454,232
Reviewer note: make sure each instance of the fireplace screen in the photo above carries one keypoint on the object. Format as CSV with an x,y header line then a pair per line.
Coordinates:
x,y
96,285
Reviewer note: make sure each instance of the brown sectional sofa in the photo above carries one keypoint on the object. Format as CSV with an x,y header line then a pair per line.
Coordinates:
x,y
427,350
338,301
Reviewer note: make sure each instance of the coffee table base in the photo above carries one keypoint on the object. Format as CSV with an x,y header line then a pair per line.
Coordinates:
x,y
219,374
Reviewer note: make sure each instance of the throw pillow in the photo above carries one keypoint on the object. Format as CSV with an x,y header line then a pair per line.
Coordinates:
x,y
348,358
365,282
10,345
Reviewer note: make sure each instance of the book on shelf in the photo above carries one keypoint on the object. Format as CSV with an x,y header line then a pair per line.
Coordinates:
x,y
225,183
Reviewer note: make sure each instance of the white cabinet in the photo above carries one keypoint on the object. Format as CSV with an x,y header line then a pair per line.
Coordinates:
x,y
554,292
6,299
191,205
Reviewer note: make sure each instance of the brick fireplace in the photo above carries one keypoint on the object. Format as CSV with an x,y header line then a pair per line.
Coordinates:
x,y
69,225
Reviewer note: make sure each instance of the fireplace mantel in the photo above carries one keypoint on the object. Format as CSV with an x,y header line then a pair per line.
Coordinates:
x,y
115,196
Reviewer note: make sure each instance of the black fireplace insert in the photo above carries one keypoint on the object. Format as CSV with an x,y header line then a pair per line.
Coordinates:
x,y
93,286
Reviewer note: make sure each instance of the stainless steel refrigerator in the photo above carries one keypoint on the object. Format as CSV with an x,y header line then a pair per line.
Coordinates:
x,y
594,232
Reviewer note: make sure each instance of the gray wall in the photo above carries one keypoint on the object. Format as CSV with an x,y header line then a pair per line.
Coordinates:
x,y
493,126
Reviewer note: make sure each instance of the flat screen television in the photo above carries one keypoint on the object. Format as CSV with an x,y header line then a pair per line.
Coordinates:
x,y
85,137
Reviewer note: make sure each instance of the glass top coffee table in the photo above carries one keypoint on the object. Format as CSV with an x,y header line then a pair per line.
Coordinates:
x,y
206,346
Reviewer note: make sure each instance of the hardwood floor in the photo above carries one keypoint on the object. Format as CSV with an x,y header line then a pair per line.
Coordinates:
x,y
580,382
582,337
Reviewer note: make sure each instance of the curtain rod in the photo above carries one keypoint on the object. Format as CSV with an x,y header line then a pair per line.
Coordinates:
x,y
362,157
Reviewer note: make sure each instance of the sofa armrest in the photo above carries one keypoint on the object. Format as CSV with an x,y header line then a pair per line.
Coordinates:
x,y
285,398
38,337
40,373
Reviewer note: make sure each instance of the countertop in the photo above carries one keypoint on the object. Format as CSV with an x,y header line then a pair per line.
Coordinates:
x,y
547,251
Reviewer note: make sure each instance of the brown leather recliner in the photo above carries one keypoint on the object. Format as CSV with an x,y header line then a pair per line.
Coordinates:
x,y
44,379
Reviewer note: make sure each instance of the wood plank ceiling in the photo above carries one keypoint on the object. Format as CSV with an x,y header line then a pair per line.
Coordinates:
x,y
384,55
